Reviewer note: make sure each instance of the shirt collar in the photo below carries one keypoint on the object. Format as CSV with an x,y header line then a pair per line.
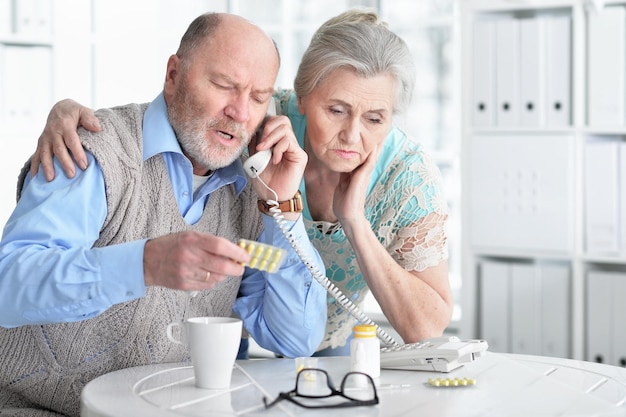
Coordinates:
x,y
159,137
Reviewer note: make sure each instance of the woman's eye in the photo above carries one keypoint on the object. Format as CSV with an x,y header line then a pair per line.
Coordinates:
x,y
373,118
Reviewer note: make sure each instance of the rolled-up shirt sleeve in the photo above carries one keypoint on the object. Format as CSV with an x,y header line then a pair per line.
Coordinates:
x,y
49,271
285,311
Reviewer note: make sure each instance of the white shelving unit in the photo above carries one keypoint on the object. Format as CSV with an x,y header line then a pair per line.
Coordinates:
x,y
543,213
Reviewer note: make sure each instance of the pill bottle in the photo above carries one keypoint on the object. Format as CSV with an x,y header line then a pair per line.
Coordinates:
x,y
365,350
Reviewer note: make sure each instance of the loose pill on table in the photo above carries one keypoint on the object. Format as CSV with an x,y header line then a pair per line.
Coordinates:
x,y
451,382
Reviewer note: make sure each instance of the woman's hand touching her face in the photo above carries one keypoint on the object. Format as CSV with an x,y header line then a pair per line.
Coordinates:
x,y
349,198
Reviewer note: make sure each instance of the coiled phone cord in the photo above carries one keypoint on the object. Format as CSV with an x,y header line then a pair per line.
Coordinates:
x,y
332,289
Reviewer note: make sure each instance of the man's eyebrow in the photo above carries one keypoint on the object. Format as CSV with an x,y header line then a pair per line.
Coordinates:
x,y
265,91
228,79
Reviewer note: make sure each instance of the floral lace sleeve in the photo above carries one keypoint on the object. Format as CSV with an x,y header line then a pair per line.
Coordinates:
x,y
408,210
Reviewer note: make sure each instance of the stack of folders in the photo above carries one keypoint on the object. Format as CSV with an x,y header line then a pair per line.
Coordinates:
x,y
521,71
525,307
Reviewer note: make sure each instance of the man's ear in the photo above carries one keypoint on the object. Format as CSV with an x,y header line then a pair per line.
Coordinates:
x,y
173,70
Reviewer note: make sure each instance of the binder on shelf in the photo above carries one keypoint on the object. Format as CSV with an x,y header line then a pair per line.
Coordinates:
x,y
507,72
558,66
618,344
532,72
494,304
622,196
525,310
599,316
483,68
601,193
606,90
555,310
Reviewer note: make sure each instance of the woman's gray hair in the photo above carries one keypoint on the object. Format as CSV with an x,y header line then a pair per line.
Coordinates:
x,y
359,40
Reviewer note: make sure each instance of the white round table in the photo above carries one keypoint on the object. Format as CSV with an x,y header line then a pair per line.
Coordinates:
x,y
507,385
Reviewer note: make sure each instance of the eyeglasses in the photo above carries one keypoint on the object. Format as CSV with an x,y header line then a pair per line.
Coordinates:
x,y
313,385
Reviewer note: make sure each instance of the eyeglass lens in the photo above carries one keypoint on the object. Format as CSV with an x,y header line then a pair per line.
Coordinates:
x,y
315,383
359,387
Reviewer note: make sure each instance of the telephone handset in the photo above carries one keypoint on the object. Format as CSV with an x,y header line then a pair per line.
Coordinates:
x,y
440,356
255,164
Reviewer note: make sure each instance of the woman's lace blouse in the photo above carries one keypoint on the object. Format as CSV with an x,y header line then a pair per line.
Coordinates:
x,y
405,206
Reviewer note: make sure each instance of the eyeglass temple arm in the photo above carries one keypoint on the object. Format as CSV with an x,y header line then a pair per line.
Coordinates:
x,y
281,396
271,404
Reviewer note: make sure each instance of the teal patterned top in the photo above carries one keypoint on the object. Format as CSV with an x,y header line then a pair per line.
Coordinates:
x,y
405,206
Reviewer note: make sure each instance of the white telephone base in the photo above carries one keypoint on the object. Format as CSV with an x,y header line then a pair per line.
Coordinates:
x,y
439,354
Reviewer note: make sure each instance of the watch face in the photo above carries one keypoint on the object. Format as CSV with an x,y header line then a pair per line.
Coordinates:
x,y
297,202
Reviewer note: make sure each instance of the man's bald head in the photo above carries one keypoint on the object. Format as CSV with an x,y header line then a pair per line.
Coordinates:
x,y
228,26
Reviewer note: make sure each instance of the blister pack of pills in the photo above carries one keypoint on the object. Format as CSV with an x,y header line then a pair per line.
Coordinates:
x,y
263,256
451,382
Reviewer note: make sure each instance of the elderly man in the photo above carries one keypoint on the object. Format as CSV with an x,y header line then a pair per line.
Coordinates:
x,y
94,267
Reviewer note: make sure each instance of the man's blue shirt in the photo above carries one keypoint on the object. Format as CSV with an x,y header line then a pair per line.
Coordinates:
x,y
50,272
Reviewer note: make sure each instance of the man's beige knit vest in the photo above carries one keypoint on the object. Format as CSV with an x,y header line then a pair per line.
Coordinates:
x,y
44,368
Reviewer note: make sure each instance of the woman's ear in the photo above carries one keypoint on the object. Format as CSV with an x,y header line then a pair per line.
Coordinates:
x,y
301,105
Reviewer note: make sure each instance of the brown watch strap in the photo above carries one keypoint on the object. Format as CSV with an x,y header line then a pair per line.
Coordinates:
x,y
288,206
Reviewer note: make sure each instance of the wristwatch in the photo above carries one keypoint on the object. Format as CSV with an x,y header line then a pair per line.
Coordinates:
x,y
288,206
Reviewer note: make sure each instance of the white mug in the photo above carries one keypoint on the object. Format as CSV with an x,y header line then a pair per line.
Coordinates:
x,y
213,343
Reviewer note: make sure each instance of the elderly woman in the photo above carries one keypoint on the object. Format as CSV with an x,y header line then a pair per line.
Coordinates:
x,y
373,200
